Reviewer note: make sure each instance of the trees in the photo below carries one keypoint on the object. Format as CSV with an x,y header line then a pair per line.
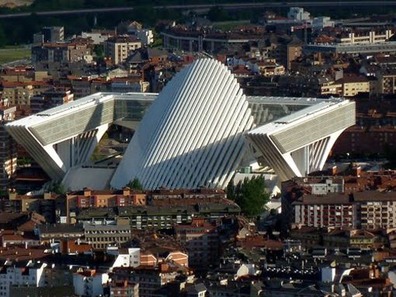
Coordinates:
x,y
250,195
135,184
57,187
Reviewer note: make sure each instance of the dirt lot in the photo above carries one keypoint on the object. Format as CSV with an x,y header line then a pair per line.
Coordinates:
x,y
15,3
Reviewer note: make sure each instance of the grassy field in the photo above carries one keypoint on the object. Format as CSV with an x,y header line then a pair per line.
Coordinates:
x,y
10,54
225,26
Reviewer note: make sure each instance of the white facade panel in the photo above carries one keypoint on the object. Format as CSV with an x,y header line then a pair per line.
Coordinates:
x,y
192,135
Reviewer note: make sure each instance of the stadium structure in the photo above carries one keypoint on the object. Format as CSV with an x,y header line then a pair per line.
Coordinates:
x,y
197,132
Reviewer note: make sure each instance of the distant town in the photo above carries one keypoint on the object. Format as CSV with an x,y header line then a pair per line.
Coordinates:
x,y
201,159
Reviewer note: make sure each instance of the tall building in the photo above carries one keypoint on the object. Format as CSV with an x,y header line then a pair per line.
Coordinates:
x,y
192,134
120,47
53,34
8,147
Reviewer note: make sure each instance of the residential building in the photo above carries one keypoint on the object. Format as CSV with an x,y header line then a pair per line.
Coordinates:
x,y
201,240
46,54
20,93
49,99
336,210
386,81
8,149
22,273
293,52
57,232
101,236
98,36
368,210
89,198
150,278
124,289
348,86
89,282
129,258
353,238
161,216
53,34
270,68
118,48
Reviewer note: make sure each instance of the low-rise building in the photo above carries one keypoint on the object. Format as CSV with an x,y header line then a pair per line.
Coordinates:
x,y
103,235
89,282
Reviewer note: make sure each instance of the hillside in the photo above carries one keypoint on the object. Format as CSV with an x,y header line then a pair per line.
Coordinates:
x,y
15,3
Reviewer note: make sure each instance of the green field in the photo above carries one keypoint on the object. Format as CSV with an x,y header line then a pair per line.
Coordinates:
x,y
10,54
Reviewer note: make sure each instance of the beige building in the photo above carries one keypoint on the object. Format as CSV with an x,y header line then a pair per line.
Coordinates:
x,y
348,86
293,51
118,48
19,93
269,67
365,37
101,236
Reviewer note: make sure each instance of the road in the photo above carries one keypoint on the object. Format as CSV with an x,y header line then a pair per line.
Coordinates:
x,y
338,3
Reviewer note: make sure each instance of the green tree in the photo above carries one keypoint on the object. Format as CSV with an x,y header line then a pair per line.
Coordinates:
x,y
57,187
250,195
135,184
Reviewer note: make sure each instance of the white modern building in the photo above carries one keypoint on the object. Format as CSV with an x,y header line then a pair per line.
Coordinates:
x,y
300,143
192,134
196,138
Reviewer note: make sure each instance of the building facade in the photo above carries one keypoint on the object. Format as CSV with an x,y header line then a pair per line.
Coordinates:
x,y
118,48
8,149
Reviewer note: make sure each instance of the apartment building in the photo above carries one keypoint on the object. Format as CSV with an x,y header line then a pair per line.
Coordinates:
x,y
159,209
53,34
120,47
201,240
269,67
71,52
57,232
348,86
386,80
89,282
367,210
333,209
50,98
124,289
104,235
8,147
20,93
151,279
21,274
376,209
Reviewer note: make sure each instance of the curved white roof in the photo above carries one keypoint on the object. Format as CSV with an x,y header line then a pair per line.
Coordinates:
x,y
192,135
